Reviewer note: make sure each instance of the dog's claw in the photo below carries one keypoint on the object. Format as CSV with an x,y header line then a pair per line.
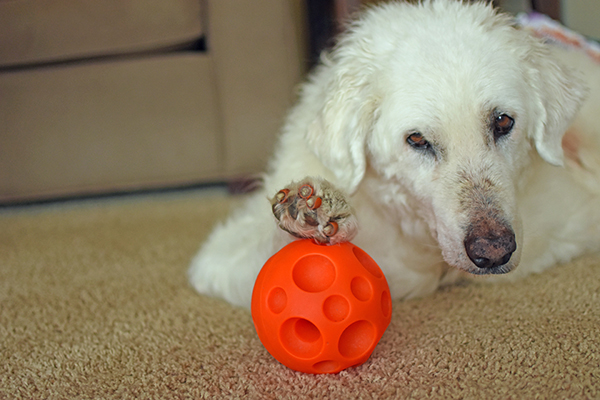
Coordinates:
x,y
313,203
305,191
282,195
331,228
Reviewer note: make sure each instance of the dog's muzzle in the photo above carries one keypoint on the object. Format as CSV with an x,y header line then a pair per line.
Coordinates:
x,y
490,244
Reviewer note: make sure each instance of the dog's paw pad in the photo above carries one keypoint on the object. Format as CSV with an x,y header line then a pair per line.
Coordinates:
x,y
314,209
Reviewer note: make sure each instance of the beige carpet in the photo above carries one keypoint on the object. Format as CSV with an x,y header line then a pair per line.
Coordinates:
x,y
94,303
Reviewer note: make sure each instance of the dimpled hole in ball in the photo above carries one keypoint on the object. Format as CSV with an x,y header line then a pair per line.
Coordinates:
x,y
327,367
277,300
301,338
361,288
386,303
367,262
357,339
313,273
336,308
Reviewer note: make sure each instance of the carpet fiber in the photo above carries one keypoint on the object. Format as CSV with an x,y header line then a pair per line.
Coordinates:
x,y
95,303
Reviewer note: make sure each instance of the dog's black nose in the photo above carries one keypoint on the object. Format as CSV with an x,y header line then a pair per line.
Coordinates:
x,y
490,248
486,263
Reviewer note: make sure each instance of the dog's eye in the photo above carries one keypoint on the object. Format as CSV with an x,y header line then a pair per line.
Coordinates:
x,y
417,141
503,124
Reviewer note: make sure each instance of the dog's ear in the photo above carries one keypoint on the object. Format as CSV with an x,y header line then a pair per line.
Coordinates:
x,y
345,117
558,94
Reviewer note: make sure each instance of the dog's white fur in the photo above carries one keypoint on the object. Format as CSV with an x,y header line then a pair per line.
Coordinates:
x,y
438,68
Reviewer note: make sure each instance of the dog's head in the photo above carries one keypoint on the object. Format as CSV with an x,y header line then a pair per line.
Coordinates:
x,y
446,103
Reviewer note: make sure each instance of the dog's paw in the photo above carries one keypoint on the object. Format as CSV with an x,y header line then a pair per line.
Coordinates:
x,y
314,209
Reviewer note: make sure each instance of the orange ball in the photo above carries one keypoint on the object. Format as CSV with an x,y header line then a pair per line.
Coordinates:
x,y
321,309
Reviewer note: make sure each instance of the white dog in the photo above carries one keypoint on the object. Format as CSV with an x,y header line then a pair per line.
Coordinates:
x,y
433,137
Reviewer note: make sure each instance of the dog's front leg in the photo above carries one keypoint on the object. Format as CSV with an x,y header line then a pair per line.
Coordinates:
x,y
313,208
